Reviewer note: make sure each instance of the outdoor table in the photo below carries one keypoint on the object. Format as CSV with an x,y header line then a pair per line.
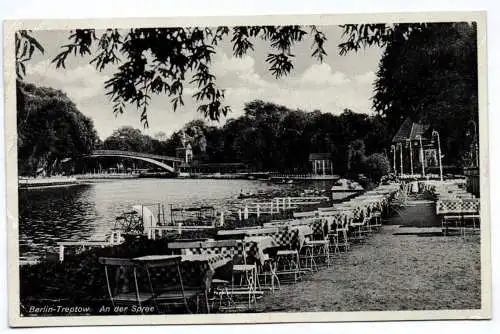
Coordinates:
x,y
327,209
192,266
457,210
319,226
256,246
248,232
307,214
180,245
288,222
303,232
278,222
335,218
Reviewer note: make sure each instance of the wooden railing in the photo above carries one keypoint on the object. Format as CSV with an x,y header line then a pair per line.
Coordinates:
x,y
277,205
114,239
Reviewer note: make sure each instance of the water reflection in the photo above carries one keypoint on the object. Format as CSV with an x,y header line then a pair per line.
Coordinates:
x,y
45,215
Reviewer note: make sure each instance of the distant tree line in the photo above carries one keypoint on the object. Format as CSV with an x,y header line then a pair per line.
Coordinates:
x,y
271,137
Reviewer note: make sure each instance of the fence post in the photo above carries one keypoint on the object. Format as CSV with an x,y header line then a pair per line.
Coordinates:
x,y
271,209
222,218
258,210
289,202
61,253
179,228
245,213
239,214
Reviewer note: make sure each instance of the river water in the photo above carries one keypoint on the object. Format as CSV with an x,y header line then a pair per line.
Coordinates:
x,y
48,216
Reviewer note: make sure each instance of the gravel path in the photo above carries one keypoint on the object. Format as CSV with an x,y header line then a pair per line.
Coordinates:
x,y
390,272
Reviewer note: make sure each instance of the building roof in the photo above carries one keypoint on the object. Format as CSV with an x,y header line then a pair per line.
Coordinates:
x,y
319,156
410,130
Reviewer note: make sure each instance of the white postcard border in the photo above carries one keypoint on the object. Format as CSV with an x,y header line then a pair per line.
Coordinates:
x,y
248,318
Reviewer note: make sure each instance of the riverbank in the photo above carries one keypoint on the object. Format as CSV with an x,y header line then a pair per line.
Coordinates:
x,y
53,181
106,177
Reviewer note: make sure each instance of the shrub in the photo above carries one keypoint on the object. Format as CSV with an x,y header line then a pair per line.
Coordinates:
x,y
377,165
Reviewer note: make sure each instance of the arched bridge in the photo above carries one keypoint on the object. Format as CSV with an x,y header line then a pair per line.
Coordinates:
x,y
158,160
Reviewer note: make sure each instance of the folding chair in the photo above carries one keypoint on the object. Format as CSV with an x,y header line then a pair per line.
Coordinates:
x,y
269,269
339,234
243,282
333,235
119,287
287,259
166,281
247,274
318,248
376,220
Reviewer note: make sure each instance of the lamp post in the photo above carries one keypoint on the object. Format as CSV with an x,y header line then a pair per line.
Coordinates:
x,y
435,133
408,140
419,137
393,149
400,155
475,143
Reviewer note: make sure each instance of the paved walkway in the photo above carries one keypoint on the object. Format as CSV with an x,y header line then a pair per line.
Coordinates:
x,y
390,272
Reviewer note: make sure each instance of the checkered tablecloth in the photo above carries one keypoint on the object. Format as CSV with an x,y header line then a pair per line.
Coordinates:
x,y
340,217
228,248
262,232
209,261
196,271
457,206
249,250
293,237
318,225
255,247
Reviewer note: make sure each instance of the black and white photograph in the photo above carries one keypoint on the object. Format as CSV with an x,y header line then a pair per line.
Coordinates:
x,y
288,168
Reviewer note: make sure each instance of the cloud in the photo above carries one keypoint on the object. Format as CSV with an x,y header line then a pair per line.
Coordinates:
x,y
238,71
322,74
80,83
366,78
224,65
317,87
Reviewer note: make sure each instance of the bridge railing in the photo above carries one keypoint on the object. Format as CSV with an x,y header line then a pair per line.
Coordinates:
x,y
136,154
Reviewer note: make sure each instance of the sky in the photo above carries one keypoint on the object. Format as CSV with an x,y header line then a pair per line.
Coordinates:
x,y
338,82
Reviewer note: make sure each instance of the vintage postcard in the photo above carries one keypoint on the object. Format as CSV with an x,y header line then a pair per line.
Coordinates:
x,y
213,170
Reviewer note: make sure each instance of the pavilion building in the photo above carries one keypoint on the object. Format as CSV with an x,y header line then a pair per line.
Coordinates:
x,y
412,148
321,163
